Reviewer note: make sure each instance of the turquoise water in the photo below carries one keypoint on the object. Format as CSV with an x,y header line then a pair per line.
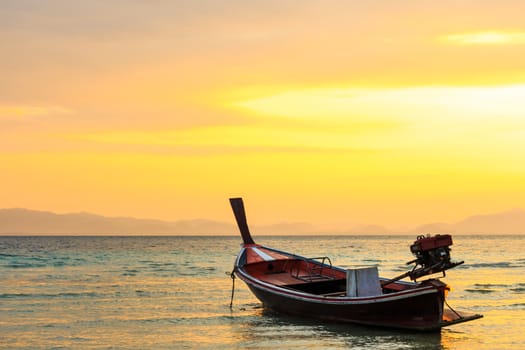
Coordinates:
x,y
174,293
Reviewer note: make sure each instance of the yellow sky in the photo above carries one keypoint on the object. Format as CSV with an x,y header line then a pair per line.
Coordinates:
x,y
334,113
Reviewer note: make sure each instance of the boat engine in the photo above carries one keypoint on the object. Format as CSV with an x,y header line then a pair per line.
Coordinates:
x,y
432,255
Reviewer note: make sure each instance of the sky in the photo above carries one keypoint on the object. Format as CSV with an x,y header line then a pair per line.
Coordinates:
x,y
334,113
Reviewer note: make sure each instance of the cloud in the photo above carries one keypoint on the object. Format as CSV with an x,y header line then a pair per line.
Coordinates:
x,y
25,112
486,38
224,139
391,104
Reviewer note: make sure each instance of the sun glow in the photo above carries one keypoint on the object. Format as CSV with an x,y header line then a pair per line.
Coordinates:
x,y
486,38
401,103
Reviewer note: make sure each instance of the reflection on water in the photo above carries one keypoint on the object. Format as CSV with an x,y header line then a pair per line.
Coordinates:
x,y
173,293
271,330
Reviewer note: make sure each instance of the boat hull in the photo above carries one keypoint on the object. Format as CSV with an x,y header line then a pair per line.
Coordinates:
x,y
420,310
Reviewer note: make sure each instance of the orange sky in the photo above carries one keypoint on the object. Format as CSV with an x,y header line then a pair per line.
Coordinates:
x,y
329,112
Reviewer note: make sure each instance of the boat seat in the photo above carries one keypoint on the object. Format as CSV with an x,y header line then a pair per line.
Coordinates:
x,y
363,282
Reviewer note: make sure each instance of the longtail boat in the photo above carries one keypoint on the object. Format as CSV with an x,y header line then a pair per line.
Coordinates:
x,y
314,288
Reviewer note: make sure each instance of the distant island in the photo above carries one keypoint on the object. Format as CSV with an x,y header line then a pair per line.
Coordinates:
x,y
18,221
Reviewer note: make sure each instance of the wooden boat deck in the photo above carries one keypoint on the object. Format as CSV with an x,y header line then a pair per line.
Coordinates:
x,y
292,271
280,279
307,276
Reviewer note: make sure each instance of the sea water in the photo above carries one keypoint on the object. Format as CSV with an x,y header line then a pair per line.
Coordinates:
x,y
174,293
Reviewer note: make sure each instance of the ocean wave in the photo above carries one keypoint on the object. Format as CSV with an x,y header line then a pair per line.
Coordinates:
x,y
503,306
168,270
490,285
518,288
51,296
4,255
501,264
518,306
208,319
400,268
15,295
187,274
23,265
480,291
486,288
22,262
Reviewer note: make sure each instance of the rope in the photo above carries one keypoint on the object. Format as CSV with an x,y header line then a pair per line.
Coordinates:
x,y
454,311
232,275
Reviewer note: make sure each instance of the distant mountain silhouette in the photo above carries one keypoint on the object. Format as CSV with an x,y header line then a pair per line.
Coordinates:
x,y
25,221
507,222
512,221
369,229
436,227
284,228
19,221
